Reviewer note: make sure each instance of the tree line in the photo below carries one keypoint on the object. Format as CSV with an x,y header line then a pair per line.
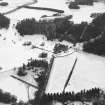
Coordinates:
x,y
85,95
3,4
84,2
6,97
59,48
4,21
94,36
41,80
43,55
63,29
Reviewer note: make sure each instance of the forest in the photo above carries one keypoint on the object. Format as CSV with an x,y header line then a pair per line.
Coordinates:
x,y
93,38
60,29
95,95
4,21
6,97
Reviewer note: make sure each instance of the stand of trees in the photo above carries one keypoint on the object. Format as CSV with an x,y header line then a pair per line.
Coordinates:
x,y
22,71
43,55
6,97
84,2
73,5
95,28
63,29
60,29
31,65
85,95
96,46
4,21
28,27
41,80
95,36
95,15
59,48
3,4
38,63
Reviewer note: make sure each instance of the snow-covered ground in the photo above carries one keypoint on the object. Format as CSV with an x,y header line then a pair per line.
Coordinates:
x,y
13,86
14,54
83,14
4,104
13,4
79,15
88,73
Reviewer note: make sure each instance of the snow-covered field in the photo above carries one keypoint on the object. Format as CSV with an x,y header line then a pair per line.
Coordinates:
x,y
13,4
14,54
83,14
13,86
89,72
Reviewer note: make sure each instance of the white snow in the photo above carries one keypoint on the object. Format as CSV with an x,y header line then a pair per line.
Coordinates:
x,y
88,73
12,4
4,104
79,15
84,13
13,86
14,54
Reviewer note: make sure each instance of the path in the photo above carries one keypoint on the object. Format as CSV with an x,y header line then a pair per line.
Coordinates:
x,y
19,7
